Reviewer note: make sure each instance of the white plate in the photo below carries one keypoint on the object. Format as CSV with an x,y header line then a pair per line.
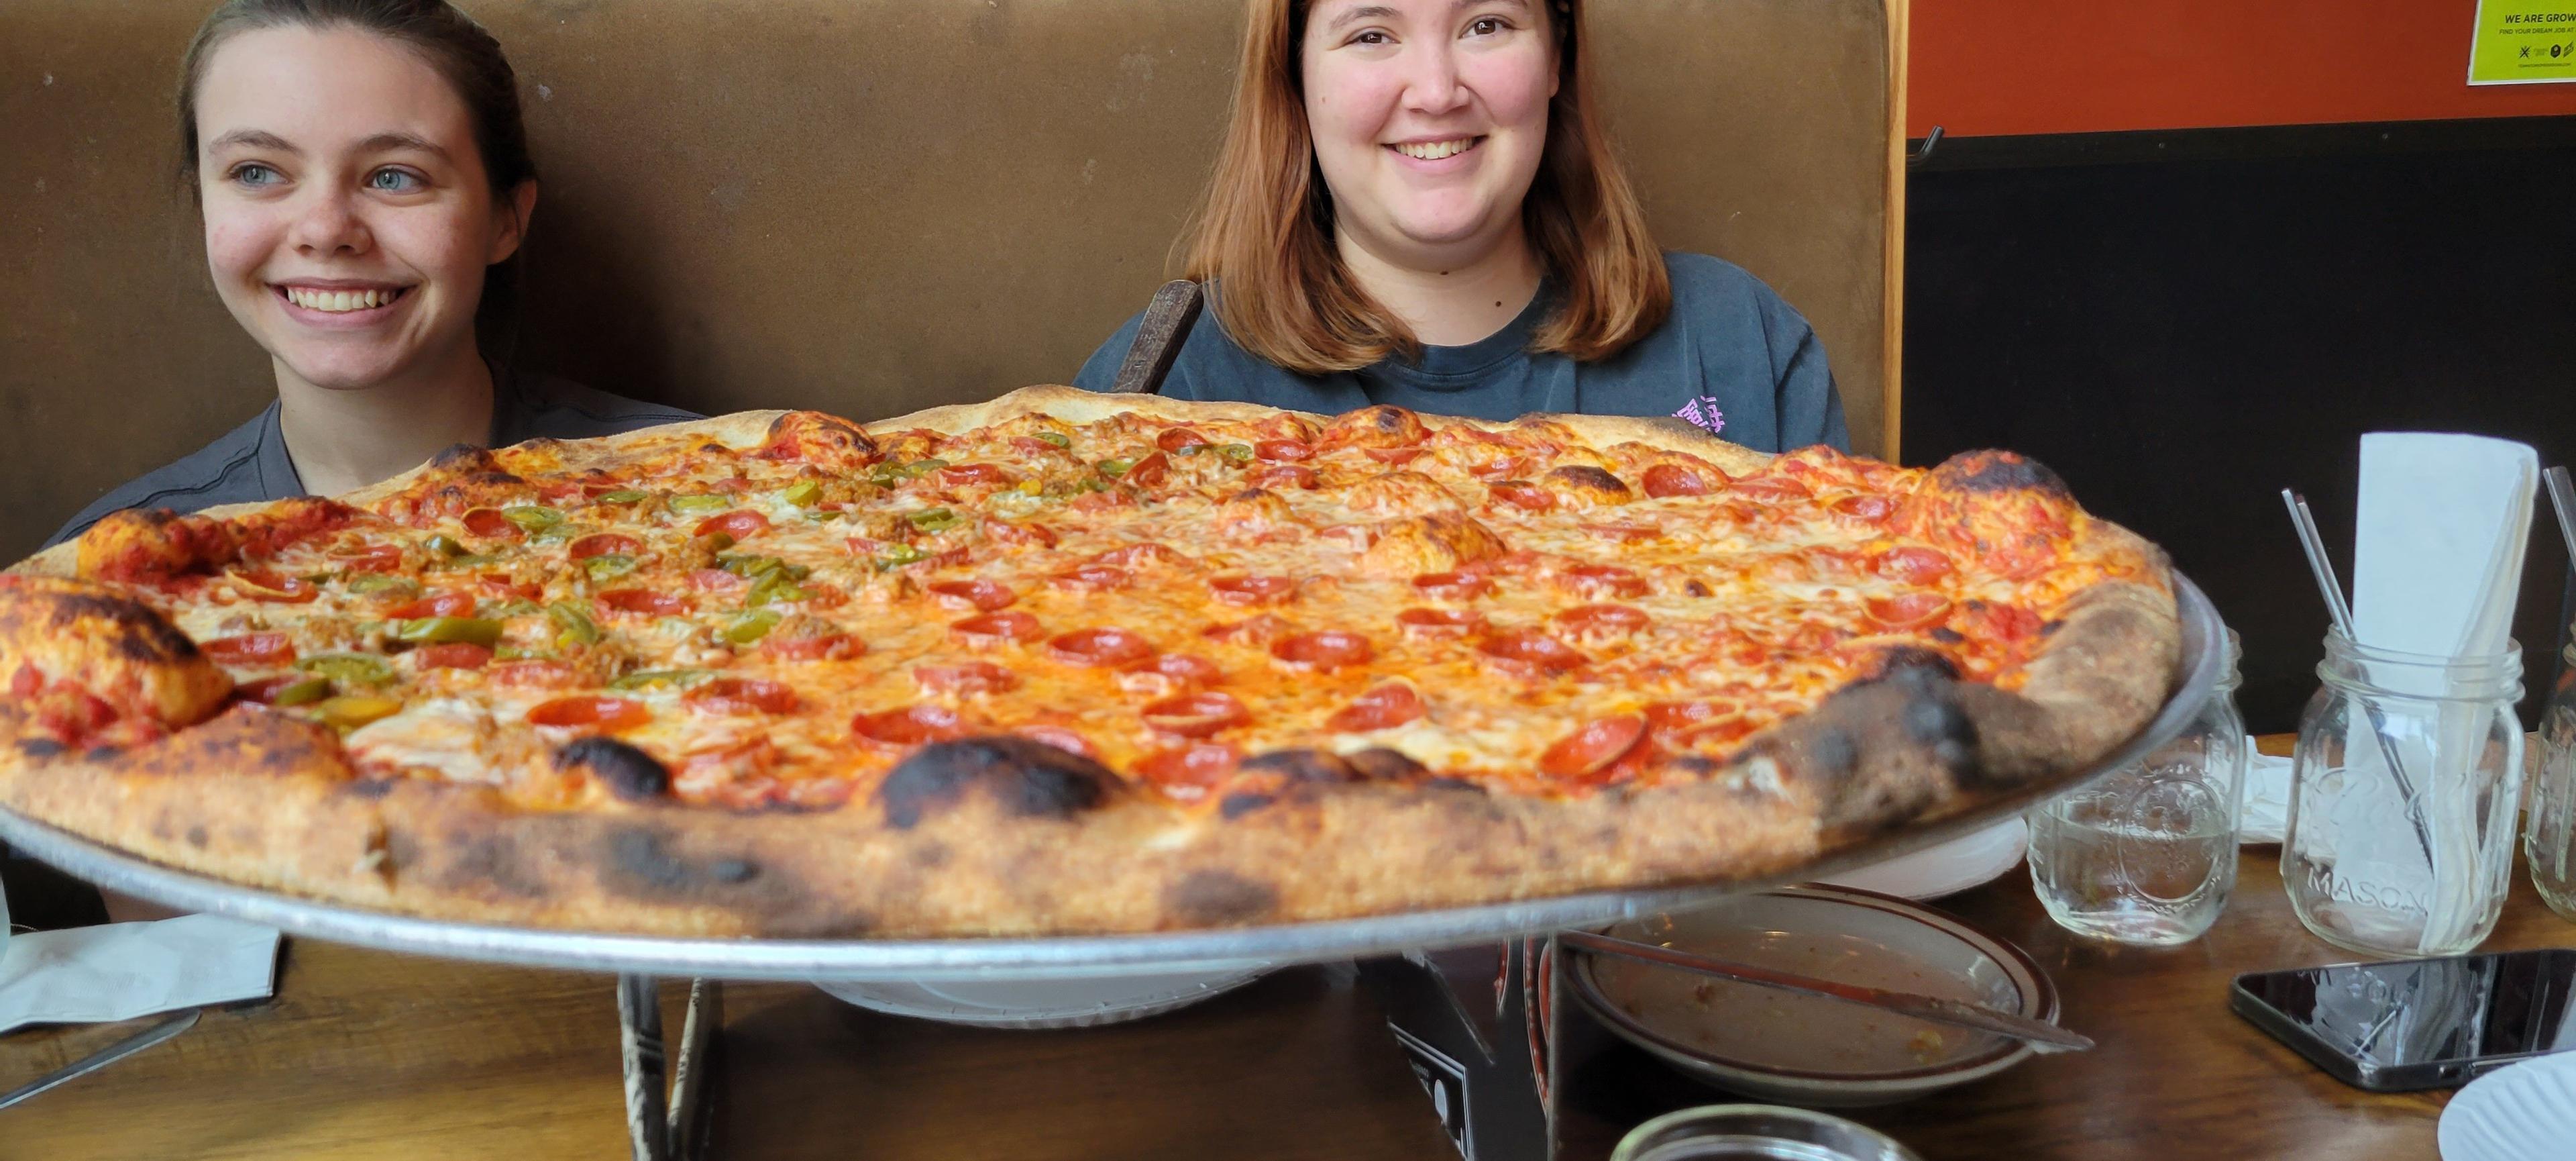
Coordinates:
x,y
1070,1002
2521,1112
1970,860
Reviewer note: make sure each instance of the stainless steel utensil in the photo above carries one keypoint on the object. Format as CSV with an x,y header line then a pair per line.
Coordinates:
x,y
2039,1034
2331,588
103,1057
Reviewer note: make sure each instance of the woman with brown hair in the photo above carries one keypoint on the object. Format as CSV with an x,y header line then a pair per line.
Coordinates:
x,y
1416,204
364,181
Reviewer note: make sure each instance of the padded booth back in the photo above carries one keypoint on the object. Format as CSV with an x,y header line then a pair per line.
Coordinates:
x,y
861,206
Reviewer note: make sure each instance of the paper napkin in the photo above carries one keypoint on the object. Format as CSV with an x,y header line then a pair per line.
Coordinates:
x,y
118,971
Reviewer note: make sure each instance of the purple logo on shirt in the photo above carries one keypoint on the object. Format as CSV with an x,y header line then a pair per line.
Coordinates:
x,y
1703,411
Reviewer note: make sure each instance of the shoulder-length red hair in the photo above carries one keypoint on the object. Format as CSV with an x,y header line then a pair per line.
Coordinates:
x,y
1264,237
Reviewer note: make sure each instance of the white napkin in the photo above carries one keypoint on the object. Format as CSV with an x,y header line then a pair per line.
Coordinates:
x,y
2266,818
118,971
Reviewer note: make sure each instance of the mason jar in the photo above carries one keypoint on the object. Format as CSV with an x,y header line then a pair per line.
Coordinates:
x,y
2549,837
2403,797
2147,853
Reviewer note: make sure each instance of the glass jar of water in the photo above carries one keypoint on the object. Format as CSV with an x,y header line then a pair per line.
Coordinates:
x,y
2147,853
2403,796
2549,837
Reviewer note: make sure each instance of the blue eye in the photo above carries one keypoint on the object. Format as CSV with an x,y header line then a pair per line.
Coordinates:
x,y
252,174
393,181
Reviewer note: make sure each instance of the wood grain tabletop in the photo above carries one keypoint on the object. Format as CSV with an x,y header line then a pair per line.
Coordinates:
x,y
367,1054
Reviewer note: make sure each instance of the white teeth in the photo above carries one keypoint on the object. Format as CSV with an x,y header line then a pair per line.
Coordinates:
x,y
340,301
1435,150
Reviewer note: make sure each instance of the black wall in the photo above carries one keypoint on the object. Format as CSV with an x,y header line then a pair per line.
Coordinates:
x,y
2184,324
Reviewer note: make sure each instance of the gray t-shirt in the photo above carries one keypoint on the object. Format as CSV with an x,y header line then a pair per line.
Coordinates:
x,y
1732,357
250,463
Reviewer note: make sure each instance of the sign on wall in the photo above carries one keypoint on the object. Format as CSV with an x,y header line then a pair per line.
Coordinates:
x,y
2523,42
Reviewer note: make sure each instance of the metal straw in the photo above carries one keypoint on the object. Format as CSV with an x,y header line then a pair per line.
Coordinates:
x,y
2562,498
2332,589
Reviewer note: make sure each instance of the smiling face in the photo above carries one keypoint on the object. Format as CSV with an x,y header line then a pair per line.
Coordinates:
x,y
348,214
1429,118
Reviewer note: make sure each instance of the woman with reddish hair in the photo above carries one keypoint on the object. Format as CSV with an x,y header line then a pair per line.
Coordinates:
x,y
1416,204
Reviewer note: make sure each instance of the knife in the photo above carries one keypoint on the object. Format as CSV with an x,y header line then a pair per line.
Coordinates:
x,y
103,1057
1158,338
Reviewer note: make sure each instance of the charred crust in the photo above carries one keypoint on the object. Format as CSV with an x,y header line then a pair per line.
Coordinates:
x,y
1912,664
1945,731
1250,496
493,859
1301,765
1454,784
1947,635
645,863
1834,751
816,430
147,637
464,457
101,753
1696,588
1234,806
1023,777
1999,471
1384,765
629,773
196,837
2050,628
41,747
1589,479
369,788
1209,898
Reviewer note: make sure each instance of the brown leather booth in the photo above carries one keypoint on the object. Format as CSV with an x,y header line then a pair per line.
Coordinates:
x,y
863,206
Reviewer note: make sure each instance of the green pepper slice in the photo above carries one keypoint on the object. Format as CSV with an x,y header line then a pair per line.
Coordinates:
x,y
660,679
573,625
1235,453
376,582
446,545
360,668
803,493
1057,438
620,496
751,627
449,631
933,519
608,564
305,692
350,711
532,517
700,503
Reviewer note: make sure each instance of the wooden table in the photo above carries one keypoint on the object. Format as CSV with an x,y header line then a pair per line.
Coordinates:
x,y
370,1055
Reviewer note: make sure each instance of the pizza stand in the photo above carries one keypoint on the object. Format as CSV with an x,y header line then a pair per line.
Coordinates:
x,y
671,1126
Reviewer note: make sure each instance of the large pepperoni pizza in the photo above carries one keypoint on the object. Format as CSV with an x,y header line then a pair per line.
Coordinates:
x,y
1065,663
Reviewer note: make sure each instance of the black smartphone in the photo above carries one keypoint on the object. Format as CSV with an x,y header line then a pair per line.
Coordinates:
x,y
2417,1023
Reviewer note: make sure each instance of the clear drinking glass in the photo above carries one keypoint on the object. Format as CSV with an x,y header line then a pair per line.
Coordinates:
x,y
2147,853
2403,797
2549,837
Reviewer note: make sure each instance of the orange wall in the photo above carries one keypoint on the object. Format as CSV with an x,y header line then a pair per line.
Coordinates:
x,y
2076,66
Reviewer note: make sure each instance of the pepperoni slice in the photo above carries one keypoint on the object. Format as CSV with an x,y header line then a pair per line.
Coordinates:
x,y
448,604
453,655
966,677
643,601
1091,578
1253,590
1328,650
1281,476
1593,746
533,674
1102,648
1603,619
741,696
1676,716
716,580
1147,472
490,524
1027,535
979,594
1059,737
910,726
264,691
1176,438
1196,715
1452,586
1440,622
818,647
1866,506
1664,480
1522,494
590,711
1600,581
1382,707
739,524
1908,610
249,649
958,475
1772,488
375,558
1189,669
1912,565
262,585
604,543
1284,450
1532,649
997,628
1189,771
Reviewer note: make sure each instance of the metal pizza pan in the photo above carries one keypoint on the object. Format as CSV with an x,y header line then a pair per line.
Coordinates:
x,y
1067,956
